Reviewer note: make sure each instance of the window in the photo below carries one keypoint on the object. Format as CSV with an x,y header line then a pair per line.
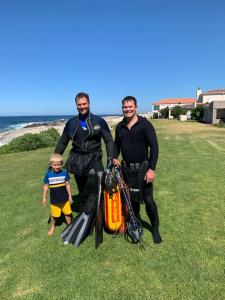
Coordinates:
x,y
156,107
220,113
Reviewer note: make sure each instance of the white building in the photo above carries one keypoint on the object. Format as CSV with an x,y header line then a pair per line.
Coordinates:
x,y
187,103
208,97
214,105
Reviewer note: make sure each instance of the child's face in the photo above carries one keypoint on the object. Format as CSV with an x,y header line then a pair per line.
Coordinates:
x,y
56,166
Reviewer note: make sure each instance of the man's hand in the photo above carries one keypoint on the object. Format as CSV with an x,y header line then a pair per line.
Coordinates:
x,y
149,176
44,201
116,162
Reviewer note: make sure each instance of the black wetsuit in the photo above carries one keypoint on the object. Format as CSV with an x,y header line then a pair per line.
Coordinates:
x,y
134,146
86,152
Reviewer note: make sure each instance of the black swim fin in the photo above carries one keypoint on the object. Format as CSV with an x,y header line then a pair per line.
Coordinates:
x,y
78,230
67,230
100,213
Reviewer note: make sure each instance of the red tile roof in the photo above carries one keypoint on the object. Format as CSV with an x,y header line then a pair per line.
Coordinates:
x,y
175,101
214,92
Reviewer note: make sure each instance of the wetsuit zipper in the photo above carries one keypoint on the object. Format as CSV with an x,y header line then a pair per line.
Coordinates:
x,y
85,143
75,129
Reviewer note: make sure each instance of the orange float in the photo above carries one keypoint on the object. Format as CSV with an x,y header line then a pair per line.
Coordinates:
x,y
113,210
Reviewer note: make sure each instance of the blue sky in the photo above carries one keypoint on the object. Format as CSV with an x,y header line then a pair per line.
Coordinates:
x,y
152,49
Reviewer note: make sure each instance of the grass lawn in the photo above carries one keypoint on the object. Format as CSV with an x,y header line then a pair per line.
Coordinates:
x,y
189,264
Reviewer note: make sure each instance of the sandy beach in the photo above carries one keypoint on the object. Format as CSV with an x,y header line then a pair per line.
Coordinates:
x,y
7,136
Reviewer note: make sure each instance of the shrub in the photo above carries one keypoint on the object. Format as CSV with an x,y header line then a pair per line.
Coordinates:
x,y
155,116
177,110
164,112
5,149
197,113
26,142
221,124
30,141
49,137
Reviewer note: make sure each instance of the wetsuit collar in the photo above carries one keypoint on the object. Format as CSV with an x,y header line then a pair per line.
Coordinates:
x,y
83,117
124,122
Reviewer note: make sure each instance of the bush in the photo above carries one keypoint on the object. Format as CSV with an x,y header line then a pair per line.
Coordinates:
x,y
30,141
197,113
221,124
177,110
164,112
49,137
26,142
155,116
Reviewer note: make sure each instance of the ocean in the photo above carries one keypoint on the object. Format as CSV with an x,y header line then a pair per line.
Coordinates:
x,y
11,123
14,122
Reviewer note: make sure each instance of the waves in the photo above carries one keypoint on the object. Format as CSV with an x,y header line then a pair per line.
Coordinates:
x,y
13,123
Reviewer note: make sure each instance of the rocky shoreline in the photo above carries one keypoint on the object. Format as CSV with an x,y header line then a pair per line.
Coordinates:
x,y
7,136
49,124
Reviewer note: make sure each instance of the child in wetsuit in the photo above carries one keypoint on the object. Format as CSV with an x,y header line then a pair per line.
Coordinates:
x,y
57,180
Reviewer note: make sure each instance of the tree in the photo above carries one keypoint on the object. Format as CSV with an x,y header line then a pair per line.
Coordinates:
x,y
164,112
197,113
177,110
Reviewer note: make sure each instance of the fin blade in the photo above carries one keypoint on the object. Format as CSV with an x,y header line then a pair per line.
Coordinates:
x,y
76,232
82,233
99,217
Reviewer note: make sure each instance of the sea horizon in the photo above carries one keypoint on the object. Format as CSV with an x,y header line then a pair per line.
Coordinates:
x,y
12,116
17,122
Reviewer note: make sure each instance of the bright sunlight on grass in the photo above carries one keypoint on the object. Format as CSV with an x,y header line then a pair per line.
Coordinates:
x,y
189,264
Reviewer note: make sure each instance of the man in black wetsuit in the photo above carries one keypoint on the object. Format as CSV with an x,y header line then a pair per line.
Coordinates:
x,y
85,132
133,138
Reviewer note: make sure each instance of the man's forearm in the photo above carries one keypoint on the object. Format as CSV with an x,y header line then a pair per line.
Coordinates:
x,y
153,144
61,146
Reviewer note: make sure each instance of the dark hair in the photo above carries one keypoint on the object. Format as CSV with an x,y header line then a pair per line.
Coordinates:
x,y
81,95
130,98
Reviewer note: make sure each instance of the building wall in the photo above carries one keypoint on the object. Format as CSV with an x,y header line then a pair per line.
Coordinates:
x,y
210,98
215,106
207,118
161,106
211,112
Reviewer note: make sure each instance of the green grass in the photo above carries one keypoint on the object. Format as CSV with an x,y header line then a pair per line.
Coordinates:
x,y
189,264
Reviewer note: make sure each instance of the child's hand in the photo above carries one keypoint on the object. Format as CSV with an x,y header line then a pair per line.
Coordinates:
x,y
116,162
44,201
70,200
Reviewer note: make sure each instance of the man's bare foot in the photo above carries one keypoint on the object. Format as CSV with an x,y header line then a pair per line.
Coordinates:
x,y
51,230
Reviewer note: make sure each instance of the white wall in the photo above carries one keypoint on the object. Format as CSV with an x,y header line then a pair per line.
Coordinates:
x,y
210,98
